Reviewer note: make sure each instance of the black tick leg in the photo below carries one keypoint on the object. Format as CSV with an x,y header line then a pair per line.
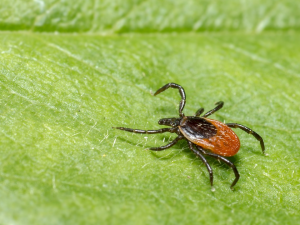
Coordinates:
x,y
163,130
249,131
237,175
166,146
218,107
199,112
197,153
181,92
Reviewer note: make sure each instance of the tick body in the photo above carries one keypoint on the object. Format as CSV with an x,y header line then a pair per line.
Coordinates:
x,y
205,137
211,135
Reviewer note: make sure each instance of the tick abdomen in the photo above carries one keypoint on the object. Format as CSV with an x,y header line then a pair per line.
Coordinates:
x,y
210,134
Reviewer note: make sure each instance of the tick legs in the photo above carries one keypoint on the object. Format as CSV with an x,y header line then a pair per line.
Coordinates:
x,y
181,92
197,153
249,131
163,130
237,175
166,146
218,107
171,130
199,112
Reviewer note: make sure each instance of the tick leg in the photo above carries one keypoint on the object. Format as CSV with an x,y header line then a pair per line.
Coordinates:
x,y
181,92
236,172
163,130
199,112
218,107
249,131
166,146
197,153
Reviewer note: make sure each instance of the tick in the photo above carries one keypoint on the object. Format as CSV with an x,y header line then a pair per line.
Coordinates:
x,y
204,136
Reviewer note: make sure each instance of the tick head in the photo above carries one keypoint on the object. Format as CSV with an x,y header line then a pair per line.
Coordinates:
x,y
172,122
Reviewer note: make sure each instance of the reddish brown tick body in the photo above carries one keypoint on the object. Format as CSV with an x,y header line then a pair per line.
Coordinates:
x,y
204,136
220,139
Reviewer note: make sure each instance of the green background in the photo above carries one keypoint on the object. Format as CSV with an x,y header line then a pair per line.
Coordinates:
x,y
69,71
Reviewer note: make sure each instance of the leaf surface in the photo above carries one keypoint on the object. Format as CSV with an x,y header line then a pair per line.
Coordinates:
x,y
62,163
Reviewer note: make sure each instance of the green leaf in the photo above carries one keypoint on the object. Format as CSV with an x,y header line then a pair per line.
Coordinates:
x,y
61,162
123,16
61,93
